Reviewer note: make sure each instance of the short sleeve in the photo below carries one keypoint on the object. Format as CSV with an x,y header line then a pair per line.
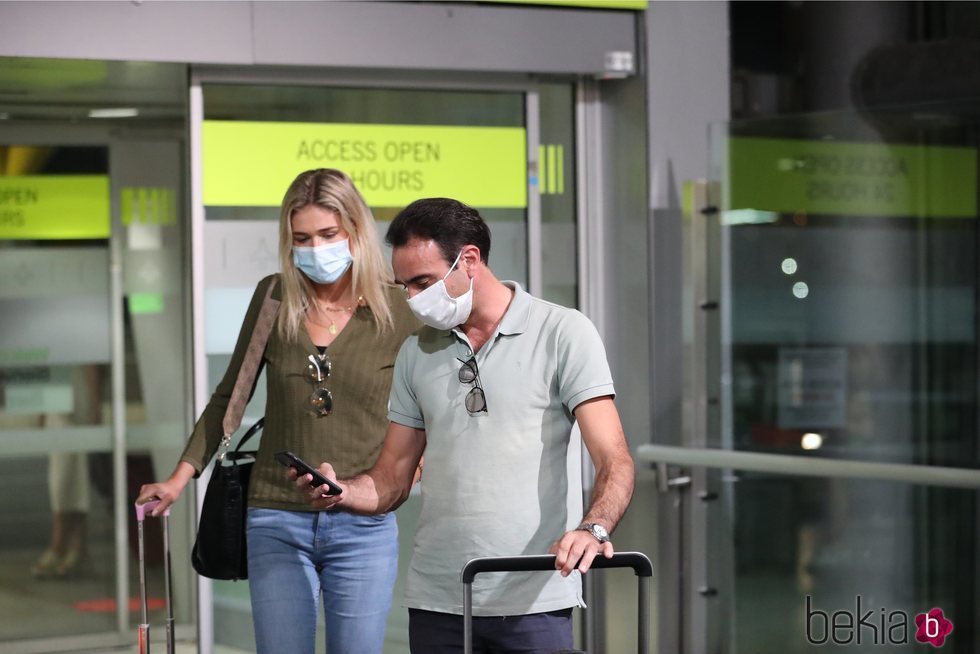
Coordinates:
x,y
583,371
403,406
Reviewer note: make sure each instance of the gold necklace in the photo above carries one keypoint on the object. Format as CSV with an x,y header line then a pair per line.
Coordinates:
x,y
332,327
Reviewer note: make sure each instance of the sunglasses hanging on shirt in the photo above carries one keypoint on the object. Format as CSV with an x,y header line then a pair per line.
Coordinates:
x,y
317,371
476,399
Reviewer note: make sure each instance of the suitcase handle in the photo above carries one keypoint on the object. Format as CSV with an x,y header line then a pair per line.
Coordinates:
x,y
142,510
637,560
147,507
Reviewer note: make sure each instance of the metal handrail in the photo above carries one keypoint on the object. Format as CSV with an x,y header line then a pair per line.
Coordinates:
x,y
789,464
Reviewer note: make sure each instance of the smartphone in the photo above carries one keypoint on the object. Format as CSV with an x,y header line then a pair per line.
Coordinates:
x,y
290,460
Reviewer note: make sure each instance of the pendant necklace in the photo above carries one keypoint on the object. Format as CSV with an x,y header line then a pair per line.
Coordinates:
x,y
332,327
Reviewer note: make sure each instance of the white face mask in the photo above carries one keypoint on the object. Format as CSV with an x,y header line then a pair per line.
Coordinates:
x,y
324,264
437,309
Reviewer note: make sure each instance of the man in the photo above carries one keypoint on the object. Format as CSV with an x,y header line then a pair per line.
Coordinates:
x,y
489,391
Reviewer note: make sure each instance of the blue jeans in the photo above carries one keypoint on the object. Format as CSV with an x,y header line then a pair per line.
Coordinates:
x,y
294,556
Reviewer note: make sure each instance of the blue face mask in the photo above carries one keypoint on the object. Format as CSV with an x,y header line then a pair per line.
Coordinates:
x,y
324,264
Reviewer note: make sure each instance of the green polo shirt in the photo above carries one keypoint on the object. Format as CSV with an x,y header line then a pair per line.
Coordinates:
x,y
495,483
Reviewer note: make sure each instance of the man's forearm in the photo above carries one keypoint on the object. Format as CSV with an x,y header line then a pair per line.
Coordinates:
x,y
611,493
603,434
370,494
387,484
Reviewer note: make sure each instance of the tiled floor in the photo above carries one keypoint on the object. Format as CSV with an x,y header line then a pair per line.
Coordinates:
x,y
180,648
56,608
39,608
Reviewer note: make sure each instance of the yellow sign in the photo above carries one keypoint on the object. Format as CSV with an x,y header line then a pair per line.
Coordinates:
x,y
151,205
54,207
851,179
251,163
551,169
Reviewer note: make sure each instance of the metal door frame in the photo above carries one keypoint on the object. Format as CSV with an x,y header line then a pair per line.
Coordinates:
x,y
257,75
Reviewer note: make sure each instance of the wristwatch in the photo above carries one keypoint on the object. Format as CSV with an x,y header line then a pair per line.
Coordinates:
x,y
597,530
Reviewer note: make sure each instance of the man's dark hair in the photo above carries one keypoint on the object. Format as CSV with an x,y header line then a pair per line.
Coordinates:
x,y
451,224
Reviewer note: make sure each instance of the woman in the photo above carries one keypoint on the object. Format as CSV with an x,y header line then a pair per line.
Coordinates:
x,y
328,364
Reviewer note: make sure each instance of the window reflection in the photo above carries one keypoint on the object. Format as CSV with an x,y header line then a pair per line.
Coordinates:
x,y
853,315
897,547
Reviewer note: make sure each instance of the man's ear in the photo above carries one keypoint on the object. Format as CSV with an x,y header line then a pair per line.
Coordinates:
x,y
471,255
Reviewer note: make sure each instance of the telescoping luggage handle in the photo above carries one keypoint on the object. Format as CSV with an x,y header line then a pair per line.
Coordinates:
x,y
542,562
143,510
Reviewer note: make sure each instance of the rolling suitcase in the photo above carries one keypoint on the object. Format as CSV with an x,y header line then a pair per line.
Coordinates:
x,y
142,510
637,560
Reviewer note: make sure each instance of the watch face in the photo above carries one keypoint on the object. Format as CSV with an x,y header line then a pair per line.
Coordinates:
x,y
597,531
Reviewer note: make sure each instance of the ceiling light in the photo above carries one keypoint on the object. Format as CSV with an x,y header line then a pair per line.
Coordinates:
x,y
748,217
114,112
811,441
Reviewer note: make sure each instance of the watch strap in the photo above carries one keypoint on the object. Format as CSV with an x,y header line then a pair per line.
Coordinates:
x,y
598,531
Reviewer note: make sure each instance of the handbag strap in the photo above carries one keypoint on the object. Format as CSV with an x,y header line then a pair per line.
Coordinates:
x,y
252,431
248,370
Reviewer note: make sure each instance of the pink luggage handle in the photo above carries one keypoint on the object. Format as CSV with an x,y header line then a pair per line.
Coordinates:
x,y
147,508
143,633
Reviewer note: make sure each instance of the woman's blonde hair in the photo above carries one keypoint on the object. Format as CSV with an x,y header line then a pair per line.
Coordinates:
x,y
334,191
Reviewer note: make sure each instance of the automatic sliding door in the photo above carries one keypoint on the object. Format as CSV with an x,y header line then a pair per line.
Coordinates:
x,y
93,346
55,391
398,145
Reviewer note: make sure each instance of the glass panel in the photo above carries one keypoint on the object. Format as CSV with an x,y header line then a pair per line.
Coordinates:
x,y
241,240
847,272
556,181
847,562
381,107
148,181
69,215
54,393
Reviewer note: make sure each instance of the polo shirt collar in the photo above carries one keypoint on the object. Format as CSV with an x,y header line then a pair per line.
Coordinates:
x,y
518,314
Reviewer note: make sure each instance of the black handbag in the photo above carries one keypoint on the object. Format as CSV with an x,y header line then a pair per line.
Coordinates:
x,y
220,551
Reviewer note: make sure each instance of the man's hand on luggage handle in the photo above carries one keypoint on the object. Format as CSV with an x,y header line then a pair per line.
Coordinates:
x,y
576,549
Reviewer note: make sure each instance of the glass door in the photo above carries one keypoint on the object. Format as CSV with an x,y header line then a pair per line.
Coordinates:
x,y
55,382
79,344
829,490
398,142
92,330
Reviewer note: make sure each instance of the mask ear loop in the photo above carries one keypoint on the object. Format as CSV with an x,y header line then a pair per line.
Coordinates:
x,y
458,259
453,267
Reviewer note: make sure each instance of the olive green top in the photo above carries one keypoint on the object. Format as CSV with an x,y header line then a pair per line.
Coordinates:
x,y
350,438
